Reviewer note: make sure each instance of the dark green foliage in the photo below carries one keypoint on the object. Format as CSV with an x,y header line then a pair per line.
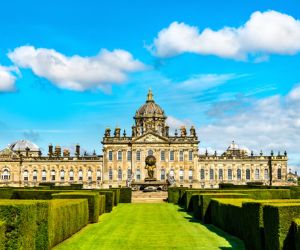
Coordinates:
x,y
6,193
296,231
109,199
125,195
93,201
101,204
277,225
24,194
47,184
2,235
76,186
73,186
173,195
116,195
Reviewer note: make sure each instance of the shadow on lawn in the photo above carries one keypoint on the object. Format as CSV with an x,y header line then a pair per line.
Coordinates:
x,y
236,243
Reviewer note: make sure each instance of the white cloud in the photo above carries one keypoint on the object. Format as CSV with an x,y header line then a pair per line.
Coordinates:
x,y
8,78
76,72
269,32
175,123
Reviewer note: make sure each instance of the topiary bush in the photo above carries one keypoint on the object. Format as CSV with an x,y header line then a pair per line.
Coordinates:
x,y
2,235
116,195
125,195
109,199
101,204
29,194
93,202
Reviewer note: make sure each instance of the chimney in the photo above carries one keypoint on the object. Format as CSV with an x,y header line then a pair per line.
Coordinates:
x,y
66,153
57,151
77,150
50,150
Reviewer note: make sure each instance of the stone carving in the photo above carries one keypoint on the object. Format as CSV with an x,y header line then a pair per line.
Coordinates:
x,y
150,165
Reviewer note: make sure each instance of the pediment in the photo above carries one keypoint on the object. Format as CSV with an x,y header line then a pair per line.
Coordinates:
x,y
8,153
150,138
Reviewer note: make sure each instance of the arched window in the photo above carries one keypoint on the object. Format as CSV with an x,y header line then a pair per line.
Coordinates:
x,y
202,174
181,174
44,175
229,174
34,175
162,174
239,174
211,174
150,152
53,175
89,174
279,173
71,175
25,175
98,173
62,175
220,174
191,174
266,174
80,175
138,174
110,174
119,174
6,174
257,174
247,174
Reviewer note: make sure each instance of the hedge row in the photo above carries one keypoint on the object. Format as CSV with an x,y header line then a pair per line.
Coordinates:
x,y
2,235
109,199
101,204
296,232
125,195
93,202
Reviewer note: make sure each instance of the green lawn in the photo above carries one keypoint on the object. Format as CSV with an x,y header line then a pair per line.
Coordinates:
x,y
149,226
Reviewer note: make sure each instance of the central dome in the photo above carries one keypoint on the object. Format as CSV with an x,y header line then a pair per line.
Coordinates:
x,y
22,145
150,108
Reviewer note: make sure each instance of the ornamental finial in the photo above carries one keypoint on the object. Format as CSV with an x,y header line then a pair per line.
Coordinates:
x,y
150,96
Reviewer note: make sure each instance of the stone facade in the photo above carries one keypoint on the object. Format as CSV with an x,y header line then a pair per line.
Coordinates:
x,y
123,160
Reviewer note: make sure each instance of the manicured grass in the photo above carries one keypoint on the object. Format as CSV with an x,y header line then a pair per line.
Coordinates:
x,y
149,226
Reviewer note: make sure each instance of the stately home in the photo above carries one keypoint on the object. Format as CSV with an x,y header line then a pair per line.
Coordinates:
x,y
175,159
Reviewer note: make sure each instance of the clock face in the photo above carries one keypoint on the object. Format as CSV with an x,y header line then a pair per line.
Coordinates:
x,y
150,160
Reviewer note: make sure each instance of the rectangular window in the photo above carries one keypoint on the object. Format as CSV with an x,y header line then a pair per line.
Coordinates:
x,y
181,175
172,155
211,174
279,173
80,175
220,174
110,174
202,174
162,174
190,155
98,175
110,155
180,155
138,155
138,175
190,174
247,174
34,177
256,174
162,155
119,155
128,155
266,174
229,174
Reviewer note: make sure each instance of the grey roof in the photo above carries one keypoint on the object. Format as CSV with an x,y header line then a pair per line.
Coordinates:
x,y
21,145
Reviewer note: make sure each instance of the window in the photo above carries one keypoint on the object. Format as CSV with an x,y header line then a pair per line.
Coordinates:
x,y
162,155
138,174
150,152
5,174
128,173
119,174
266,174
181,174
110,155
52,175
44,175
202,174
190,155
211,174
247,174
129,155
89,174
119,155
80,175
110,174
238,174
180,155
172,155
98,173
162,174
138,155
256,174
172,172
229,174
71,175
220,174
25,175
190,174
279,173
62,175
34,175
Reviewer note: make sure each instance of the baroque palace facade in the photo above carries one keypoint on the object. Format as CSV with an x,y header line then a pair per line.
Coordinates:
x,y
177,159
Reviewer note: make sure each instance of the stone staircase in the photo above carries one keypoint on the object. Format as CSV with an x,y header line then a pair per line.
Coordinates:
x,y
149,197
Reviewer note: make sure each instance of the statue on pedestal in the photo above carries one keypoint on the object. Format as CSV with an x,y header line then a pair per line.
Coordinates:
x,y
150,166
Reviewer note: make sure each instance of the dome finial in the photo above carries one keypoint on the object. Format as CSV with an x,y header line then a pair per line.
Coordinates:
x,y
150,96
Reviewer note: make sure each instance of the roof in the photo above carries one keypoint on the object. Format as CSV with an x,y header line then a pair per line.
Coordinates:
x,y
21,145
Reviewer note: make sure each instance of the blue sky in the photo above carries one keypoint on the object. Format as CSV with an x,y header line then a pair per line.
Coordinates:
x,y
69,69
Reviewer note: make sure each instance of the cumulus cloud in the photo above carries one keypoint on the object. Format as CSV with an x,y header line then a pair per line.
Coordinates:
x,y
175,123
8,78
269,32
77,72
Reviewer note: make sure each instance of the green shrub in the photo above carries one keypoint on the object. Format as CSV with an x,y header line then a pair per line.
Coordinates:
x,y
6,193
116,195
47,184
101,204
109,199
125,195
296,232
277,219
2,235
93,202
29,194
173,195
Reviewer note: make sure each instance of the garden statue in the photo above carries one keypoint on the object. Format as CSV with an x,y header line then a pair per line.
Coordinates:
x,y
150,166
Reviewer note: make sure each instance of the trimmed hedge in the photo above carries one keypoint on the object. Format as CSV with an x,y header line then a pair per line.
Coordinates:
x,y
277,225
116,196
296,232
6,193
109,199
125,195
33,194
93,201
2,235
101,204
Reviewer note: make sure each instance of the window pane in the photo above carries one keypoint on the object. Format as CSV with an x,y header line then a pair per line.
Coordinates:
x,y
128,155
171,155
162,155
180,155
